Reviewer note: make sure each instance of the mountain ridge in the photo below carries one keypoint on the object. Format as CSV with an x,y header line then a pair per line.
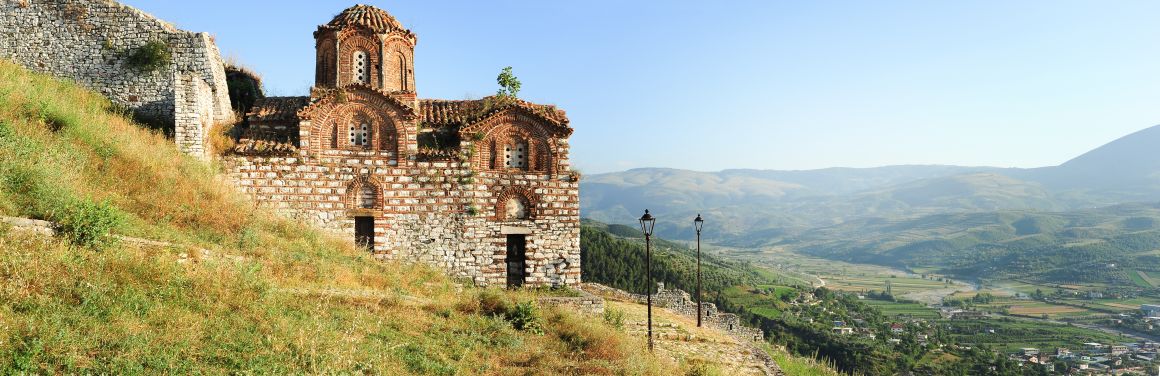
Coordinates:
x,y
751,203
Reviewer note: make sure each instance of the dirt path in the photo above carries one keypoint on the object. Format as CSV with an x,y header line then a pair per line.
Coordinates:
x,y
678,338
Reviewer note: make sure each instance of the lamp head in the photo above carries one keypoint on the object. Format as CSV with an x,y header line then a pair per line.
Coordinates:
x,y
647,221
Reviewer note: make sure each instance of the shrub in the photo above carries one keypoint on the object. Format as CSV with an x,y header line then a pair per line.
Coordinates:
x,y
494,303
248,239
699,367
88,223
150,56
223,138
614,317
522,316
587,338
526,317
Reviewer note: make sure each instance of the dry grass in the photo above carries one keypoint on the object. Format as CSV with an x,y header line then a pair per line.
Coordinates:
x,y
221,138
297,301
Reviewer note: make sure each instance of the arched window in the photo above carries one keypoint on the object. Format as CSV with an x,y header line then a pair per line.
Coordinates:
x,y
367,195
326,72
515,208
361,67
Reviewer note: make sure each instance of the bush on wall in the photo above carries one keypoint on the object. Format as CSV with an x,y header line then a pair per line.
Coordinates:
x,y
150,56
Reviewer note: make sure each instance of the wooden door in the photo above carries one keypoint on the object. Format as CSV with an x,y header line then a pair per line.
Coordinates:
x,y
516,260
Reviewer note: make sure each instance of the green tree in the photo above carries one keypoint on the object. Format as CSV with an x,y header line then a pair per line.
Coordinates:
x,y
508,82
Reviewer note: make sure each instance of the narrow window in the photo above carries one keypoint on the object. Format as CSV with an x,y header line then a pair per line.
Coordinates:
x,y
491,160
361,67
402,72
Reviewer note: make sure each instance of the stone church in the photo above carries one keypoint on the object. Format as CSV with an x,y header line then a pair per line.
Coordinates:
x,y
482,188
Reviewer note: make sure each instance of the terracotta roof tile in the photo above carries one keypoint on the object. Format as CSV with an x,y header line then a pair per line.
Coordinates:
x,y
367,16
441,112
277,109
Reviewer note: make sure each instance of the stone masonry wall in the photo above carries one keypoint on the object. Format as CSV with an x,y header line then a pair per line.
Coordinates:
x,y
439,213
88,41
680,302
585,303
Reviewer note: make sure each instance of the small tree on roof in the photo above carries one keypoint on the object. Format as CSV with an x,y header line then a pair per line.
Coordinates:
x,y
509,84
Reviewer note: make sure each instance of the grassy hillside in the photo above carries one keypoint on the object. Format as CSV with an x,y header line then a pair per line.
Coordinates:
x,y
269,296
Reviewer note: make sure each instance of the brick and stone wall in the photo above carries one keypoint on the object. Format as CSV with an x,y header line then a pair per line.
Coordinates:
x,y
440,213
88,41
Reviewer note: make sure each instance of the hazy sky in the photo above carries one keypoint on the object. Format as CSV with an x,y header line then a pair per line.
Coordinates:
x,y
763,84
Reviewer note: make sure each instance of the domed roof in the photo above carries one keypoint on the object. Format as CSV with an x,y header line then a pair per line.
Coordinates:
x,y
367,16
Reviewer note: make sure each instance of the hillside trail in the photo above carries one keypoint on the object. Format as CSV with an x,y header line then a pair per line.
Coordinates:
x,y
678,338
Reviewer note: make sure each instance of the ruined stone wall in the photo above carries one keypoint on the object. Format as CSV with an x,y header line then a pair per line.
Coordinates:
x,y
585,303
88,41
680,302
440,213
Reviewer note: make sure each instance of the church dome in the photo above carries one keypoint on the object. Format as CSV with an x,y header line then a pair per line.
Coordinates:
x,y
375,19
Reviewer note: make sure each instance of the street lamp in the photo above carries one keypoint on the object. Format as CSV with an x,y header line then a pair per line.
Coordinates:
x,y
697,223
647,221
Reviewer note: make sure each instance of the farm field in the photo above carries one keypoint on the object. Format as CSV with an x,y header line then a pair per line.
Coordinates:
x,y
844,276
1142,279
1011,334
904,310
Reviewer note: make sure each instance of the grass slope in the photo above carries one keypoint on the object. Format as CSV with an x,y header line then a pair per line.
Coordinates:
x,y
271,296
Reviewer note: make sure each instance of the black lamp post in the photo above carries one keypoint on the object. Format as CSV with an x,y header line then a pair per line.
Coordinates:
x,y
646,225
697,223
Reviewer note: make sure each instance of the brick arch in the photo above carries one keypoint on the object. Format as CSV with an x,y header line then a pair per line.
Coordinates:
x,y
530,200
383,134
325,70
399,65
489,152
354,198
388,116
351,41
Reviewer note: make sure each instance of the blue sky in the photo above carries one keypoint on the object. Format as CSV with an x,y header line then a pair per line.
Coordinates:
x,y
762,84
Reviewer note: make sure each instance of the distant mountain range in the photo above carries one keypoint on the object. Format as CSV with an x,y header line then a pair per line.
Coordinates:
x,y
863,214
752,202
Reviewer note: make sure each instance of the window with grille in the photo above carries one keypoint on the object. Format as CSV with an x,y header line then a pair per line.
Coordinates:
x,y
360,134
516,155
362,67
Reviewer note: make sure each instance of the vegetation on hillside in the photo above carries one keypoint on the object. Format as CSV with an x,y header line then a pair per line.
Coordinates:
x,y
254,294
611,258
1088,246
618,261
802,319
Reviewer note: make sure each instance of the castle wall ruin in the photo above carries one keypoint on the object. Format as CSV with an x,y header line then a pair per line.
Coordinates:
x,y
89,41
